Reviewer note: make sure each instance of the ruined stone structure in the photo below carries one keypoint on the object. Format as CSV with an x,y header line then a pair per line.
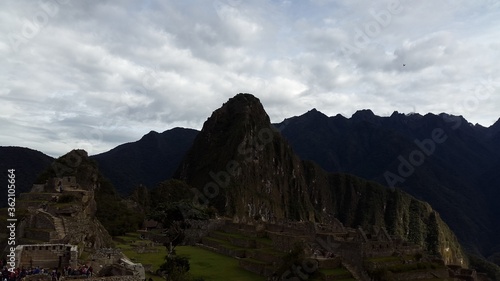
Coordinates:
x,y
460,273
260,247
63,183
50,256
60,224
62,212
46,255
322,239
105,256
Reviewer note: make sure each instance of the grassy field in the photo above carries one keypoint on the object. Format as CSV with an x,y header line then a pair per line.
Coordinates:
x,y
214,267
204,263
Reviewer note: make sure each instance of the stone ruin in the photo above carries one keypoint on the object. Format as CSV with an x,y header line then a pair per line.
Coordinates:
x,y
55,232
46,255
61,211
58,256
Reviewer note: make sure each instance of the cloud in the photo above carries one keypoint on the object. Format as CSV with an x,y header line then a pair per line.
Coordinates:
x,y
97,74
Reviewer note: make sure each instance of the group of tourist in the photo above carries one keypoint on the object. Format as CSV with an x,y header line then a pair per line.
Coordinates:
x,y
82,270
18,274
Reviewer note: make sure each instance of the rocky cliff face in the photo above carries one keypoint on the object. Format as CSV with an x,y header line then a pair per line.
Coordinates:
x,y
242,166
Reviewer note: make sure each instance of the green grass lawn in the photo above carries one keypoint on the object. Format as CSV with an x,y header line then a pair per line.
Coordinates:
x,y
215,267
204,263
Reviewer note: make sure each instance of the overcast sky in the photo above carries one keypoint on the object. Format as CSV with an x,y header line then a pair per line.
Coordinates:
x,y
96,74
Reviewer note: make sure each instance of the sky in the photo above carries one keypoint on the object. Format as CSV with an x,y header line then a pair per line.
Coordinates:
x,y
96,74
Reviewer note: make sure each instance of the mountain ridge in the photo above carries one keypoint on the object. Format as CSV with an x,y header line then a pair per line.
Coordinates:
x,y
440,179
397,140
148,158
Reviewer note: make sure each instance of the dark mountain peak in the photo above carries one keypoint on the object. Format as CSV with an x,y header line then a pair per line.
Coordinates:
x,y
178,130
314,112
363,114
150,135
416,115
449,117
242,110
311,118
242,102
396,114
314,115
428,118
402,121
235,160
431,115
241,117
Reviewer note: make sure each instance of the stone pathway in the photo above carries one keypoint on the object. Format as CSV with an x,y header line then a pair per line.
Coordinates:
x,y
58,225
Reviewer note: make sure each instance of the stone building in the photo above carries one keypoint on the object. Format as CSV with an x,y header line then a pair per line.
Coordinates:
x,y
47,255
63,183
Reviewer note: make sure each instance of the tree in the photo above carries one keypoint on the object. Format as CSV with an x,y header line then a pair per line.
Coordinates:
x,y
175,234
176,268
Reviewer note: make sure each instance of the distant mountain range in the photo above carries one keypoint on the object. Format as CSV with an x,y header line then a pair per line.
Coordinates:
x,y
441,159
147,161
